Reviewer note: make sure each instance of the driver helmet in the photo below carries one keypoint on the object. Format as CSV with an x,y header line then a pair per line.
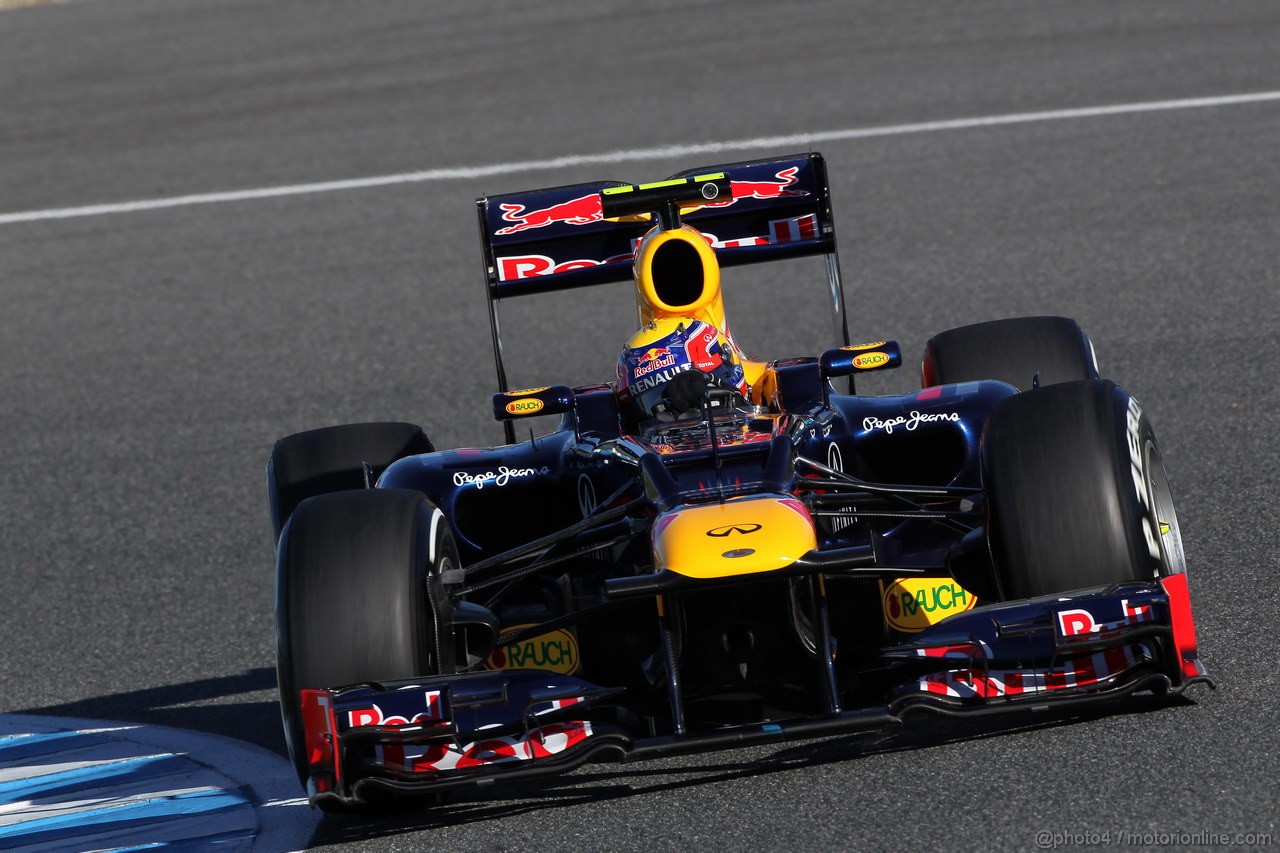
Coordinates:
x,y
662,351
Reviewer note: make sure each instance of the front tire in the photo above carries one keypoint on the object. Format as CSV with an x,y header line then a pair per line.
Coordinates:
x,y
1013,351
1077,493
359,597
333,459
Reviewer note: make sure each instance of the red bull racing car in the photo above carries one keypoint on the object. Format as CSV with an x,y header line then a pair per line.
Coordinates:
x,y
711,550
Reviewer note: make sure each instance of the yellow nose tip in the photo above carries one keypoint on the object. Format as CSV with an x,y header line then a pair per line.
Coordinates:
x,y
737,537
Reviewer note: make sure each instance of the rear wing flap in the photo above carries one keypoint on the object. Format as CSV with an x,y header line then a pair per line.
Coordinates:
x,y
558,238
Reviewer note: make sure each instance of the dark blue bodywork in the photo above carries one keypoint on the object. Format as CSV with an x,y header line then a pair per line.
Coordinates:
x,y
555,539
929,437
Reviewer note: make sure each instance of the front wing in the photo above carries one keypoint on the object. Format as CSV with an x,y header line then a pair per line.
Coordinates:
x,y
433,734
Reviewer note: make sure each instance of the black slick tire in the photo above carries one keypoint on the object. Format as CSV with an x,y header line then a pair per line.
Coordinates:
x,y
333,459
359,598
1012,351
1077,493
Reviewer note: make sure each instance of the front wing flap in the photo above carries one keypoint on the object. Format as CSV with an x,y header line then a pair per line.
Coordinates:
x,y
447,731
1090,645
431,734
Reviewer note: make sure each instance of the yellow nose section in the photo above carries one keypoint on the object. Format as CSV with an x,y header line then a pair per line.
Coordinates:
x,y
739,537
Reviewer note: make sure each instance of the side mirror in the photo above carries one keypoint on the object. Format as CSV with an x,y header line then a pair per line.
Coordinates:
x,y
547,400
860,358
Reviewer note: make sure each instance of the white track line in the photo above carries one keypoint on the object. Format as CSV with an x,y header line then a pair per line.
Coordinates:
x,y
803,140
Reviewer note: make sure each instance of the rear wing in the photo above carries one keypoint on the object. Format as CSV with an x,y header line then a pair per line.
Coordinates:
x,y
558,238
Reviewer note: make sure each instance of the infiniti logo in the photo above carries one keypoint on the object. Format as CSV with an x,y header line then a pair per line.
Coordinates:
x,y
730,529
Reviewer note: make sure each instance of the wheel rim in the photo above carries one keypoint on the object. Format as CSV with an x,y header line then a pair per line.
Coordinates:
x,y
1173,560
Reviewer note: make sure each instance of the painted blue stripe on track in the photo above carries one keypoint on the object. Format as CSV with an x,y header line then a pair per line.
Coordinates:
x,y
147,812
70,784
181,846
94,776
13,748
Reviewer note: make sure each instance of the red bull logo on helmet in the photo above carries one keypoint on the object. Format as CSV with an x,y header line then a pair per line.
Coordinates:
x,y
655,358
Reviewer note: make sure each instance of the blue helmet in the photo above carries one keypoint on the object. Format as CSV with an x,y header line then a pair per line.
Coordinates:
x,y
661,351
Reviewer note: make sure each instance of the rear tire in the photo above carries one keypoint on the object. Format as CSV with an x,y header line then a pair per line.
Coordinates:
x,y
1077,493
359,598
1012,351
332,459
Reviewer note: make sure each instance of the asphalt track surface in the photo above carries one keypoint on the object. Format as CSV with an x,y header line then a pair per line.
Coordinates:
x,y
149,359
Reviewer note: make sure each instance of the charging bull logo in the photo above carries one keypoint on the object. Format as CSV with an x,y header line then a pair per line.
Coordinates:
x,y
777,188
654,358
587,209
578,211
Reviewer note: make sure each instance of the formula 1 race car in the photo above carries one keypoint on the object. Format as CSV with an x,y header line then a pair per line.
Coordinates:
x,y
708,550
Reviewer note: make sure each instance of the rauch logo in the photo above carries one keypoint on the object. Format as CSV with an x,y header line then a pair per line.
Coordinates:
x,y
913,604
556,651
